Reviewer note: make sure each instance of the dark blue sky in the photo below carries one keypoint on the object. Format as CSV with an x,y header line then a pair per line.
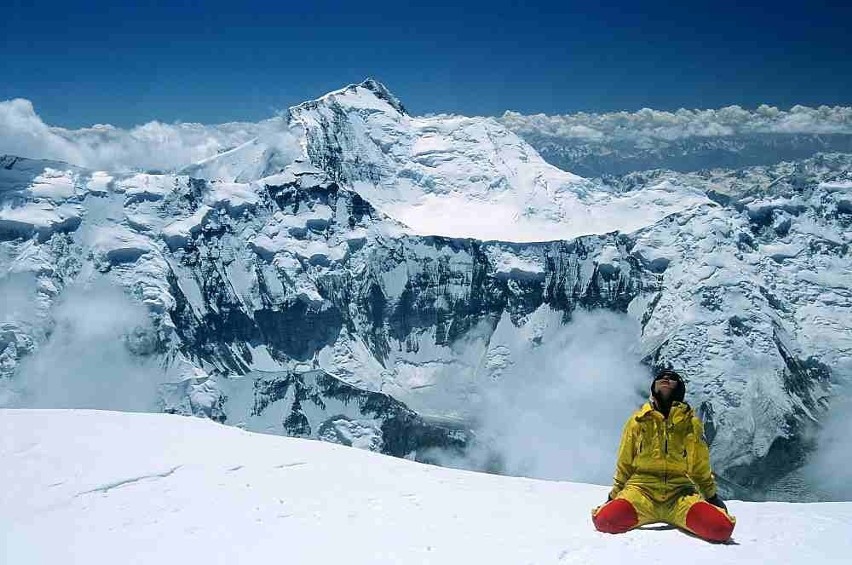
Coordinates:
x,y
211,62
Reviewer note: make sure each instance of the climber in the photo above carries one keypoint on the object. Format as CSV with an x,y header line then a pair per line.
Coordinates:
x,y
663,470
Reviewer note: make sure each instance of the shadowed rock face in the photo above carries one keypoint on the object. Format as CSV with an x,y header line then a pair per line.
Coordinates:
x,y
291,304
396,429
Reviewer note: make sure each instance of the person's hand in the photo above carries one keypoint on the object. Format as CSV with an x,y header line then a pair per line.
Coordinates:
x,y
716,501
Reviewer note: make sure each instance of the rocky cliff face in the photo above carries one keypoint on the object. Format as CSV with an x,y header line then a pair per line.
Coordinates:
x,y
292,295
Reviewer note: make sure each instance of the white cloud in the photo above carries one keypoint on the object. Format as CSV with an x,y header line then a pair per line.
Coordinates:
x,y
90,359
558,410
655,124
829,469
18,295
24,134
152,146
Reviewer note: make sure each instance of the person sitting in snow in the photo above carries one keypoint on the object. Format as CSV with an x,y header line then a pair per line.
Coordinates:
x,y
663,470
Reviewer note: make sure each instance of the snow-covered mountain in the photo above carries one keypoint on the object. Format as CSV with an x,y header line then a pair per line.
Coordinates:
x,y
428,287
153,488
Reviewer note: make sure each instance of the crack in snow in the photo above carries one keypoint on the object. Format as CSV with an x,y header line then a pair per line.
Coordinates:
x,y
125,482
294,464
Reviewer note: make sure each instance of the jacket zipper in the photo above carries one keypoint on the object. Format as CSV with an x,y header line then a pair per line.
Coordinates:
x,y
666,456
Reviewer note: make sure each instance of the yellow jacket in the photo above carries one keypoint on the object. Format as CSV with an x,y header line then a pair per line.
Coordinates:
x,y
664,456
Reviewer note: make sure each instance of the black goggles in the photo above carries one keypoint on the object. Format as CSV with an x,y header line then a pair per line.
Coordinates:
x,y
668,376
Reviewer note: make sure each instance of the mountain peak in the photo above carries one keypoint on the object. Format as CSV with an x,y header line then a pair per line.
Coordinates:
x,y
357,95
382,92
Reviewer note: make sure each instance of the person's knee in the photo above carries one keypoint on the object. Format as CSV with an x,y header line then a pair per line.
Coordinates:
x,y
616,517
709,522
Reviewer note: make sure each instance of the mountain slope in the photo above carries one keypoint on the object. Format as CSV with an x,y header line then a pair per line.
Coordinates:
x,y
99,487
463,177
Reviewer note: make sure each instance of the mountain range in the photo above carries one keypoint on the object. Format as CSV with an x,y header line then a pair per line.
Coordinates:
x,y
433,288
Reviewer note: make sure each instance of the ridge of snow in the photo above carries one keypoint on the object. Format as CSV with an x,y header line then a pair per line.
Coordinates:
x,y
107,487
367,95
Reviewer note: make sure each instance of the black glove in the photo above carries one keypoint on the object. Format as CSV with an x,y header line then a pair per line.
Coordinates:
x,y
716,501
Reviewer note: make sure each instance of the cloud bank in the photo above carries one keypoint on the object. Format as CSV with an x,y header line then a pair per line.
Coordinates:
x,y
152,146
159,146
558,410
829,469
655,124
98,355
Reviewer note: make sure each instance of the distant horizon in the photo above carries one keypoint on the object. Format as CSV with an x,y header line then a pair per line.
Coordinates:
x,y
94,62
44,109
273,112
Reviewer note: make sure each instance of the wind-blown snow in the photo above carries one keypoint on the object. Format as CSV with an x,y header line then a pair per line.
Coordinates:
x,y
95,487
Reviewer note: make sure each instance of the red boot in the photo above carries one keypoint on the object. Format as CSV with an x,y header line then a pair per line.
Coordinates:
x,y
616,517
709,522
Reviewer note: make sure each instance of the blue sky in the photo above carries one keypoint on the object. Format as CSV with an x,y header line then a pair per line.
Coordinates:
x,y
212,62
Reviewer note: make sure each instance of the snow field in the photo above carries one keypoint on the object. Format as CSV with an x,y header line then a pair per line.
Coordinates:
x,y
104,487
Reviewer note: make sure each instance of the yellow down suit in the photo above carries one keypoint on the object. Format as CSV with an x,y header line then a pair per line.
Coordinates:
x,y
663,466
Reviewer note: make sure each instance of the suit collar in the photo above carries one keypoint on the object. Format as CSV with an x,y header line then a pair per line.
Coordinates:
x,y
679,411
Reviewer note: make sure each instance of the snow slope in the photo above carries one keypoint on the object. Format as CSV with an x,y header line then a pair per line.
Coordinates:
x,y
105,487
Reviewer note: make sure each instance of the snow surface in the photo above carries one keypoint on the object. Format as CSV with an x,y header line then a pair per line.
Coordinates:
x,y
119,244
53,184
235,197
105,487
